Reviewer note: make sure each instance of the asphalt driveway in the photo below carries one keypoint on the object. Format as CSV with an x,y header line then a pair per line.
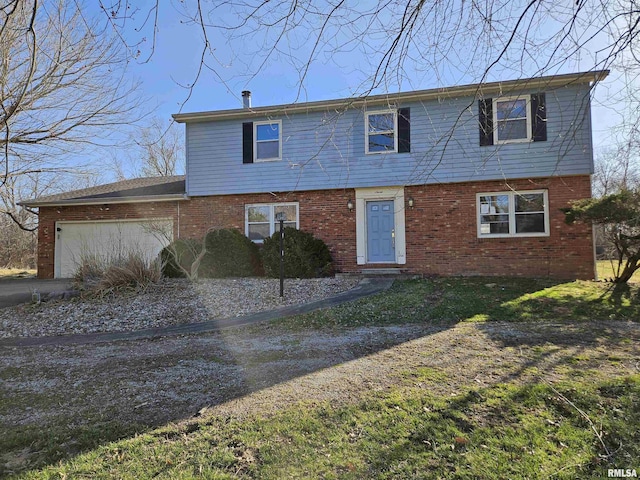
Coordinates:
x,y
16,291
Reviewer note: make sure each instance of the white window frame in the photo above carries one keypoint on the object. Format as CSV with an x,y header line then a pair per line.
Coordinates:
x,y
529,138
256,141
512,214
394,112
273,224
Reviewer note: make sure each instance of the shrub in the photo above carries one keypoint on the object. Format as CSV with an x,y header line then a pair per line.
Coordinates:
x,y
230,254
304,255
227,253
130,271
178,258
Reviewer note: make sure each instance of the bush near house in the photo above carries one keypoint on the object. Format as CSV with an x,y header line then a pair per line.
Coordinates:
x,y
305,256
228,253
178,258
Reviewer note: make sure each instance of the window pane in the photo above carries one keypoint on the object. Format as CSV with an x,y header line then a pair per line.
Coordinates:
x,y
381,142
530,202
492,224
258,214
493,204
512,129
267,150
511,109
267,132
288,210
530,223
383,122
290,224
259,231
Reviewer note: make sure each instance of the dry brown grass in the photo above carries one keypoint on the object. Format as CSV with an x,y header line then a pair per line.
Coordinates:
x,y
129,272
15,273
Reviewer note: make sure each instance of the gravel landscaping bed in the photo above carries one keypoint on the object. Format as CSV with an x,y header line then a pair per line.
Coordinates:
x,y
172,302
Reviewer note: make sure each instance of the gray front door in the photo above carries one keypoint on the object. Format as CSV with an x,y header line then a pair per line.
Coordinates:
x,y
381,246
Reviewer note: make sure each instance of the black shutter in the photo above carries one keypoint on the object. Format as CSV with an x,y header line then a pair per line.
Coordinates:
x,y
539,123
247,142
404,130
485,114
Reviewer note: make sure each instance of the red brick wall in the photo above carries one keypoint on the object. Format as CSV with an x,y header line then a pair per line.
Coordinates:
x,y
440,229
442,239
50,215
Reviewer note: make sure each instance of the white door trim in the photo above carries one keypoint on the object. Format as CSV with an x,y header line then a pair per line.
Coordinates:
x,y
383,193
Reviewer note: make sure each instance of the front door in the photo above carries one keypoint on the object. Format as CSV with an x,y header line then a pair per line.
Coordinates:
x,y
381,246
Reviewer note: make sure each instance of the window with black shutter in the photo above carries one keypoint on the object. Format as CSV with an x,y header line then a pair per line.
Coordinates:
x,y
388,131
512,119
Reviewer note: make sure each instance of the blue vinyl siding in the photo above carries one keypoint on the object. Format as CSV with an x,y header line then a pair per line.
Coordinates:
x,y
326,150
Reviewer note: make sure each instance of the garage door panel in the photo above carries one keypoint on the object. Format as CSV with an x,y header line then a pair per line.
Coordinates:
x,y
108,241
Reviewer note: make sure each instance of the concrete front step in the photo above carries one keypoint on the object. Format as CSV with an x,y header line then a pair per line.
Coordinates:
x,y
391,273
379,272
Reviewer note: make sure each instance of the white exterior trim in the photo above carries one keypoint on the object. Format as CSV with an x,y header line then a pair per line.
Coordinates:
x,y
256,141
367,132
479,90
384,193
529,119
272,221
512,215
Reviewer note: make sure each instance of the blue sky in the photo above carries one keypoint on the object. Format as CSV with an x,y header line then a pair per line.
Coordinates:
x,y
177,52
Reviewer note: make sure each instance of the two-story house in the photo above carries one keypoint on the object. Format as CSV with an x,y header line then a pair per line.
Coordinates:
x,y
466,180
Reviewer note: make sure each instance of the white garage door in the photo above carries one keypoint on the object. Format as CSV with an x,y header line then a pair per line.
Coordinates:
x,y
107,241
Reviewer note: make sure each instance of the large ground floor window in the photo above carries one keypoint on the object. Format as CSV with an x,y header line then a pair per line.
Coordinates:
x,y
506,214
260,219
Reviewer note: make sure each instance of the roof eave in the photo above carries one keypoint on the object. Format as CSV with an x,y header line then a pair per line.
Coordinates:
x,y
104,201
481,89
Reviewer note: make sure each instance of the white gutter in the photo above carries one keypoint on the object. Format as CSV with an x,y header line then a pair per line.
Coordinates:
x,y
106,200
480,89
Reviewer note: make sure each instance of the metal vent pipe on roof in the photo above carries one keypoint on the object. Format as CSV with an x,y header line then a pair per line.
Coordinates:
x,y
246,99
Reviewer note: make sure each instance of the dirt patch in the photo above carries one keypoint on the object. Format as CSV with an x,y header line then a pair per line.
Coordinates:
x,y
254,370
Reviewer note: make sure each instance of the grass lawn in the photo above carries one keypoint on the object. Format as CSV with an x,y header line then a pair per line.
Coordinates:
x,y
573,418
605,271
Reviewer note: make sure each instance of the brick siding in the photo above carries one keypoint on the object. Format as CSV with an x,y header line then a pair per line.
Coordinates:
x,y
441,228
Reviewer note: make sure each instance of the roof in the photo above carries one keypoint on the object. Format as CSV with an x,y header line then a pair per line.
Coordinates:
x,y
477,89
146,189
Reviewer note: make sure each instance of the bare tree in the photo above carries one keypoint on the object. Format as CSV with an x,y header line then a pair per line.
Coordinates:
x,y
158,151
391,45
396,40
64,91
616,169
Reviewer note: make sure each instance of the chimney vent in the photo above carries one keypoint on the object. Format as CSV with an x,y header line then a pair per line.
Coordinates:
x,y
246,99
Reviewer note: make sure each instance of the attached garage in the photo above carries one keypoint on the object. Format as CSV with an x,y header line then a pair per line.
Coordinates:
x,y
107,222
107,241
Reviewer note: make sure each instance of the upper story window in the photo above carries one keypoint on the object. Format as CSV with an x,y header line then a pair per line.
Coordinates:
x,y
267,141
512,120
260,219
382,132
506,214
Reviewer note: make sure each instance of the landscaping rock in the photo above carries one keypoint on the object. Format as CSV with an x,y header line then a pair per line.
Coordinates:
x,y
172,302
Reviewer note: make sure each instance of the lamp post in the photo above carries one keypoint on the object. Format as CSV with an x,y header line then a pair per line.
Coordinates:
x,y
281,217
